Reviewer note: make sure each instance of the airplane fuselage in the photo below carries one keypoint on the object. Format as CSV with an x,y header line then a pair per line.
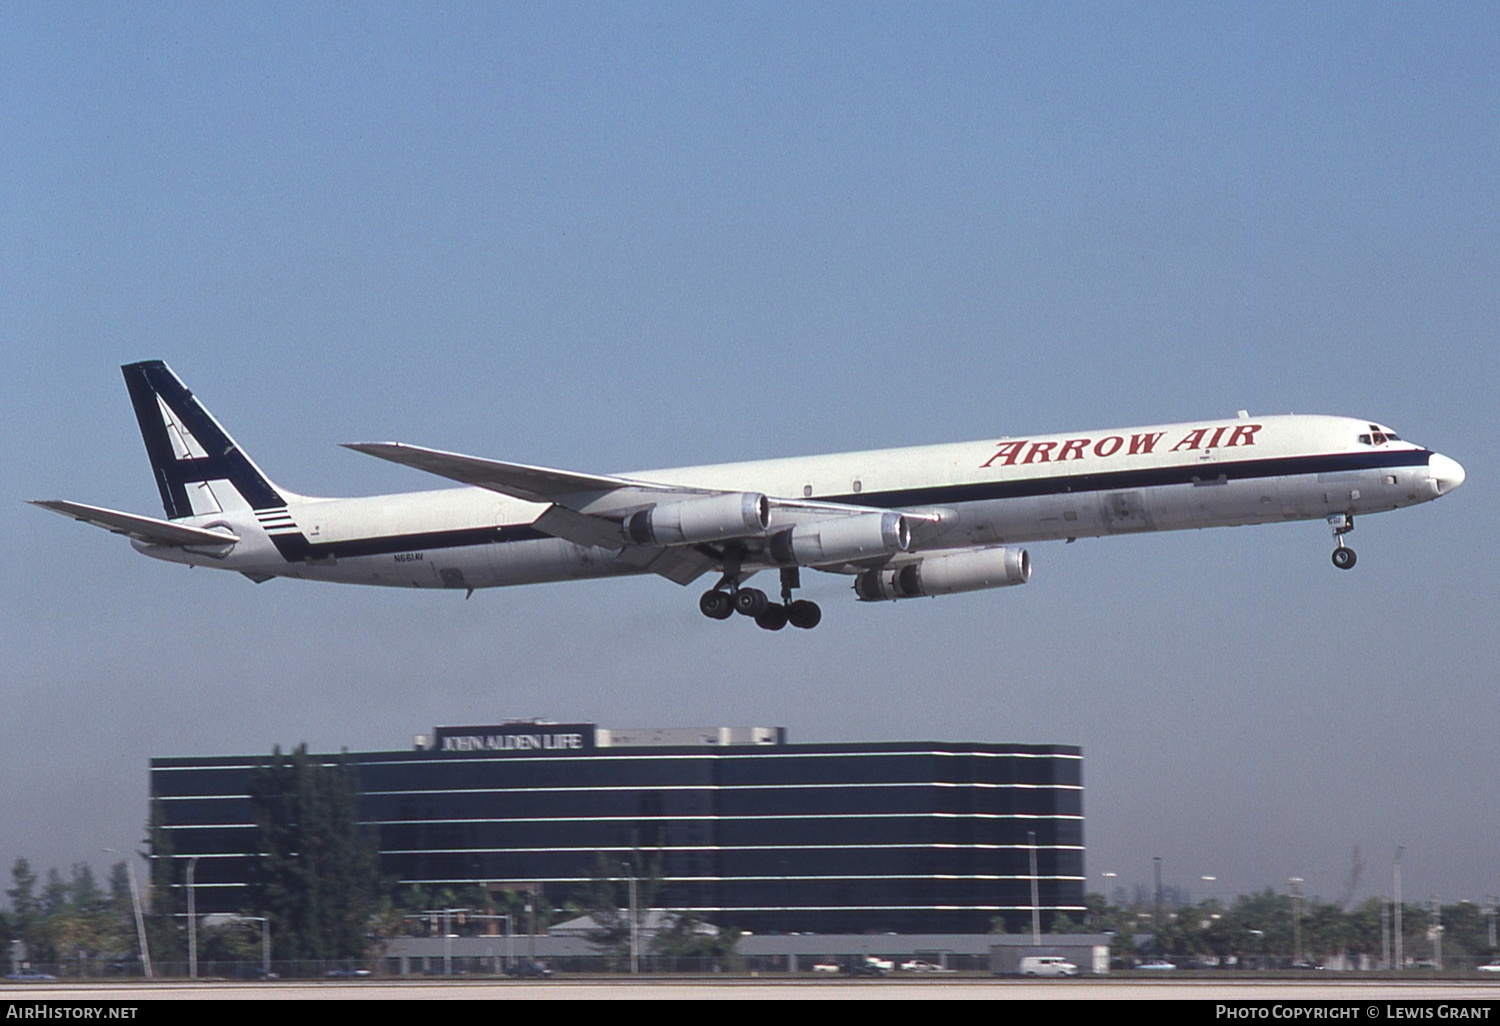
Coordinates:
x,y
973,495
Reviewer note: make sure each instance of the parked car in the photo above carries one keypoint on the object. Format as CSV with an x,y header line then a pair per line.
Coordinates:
x,y
917,965
29,974
827,967
1047,965
864,967
1157,965
1490,967
529,971
255,972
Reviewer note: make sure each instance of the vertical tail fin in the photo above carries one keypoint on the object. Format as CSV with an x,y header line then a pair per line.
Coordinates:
x,y
198,467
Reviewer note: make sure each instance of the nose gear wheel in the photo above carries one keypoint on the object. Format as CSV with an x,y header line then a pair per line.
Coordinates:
x,y
1343,556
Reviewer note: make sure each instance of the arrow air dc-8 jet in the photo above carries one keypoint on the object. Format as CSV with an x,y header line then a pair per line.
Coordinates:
x,y
928,520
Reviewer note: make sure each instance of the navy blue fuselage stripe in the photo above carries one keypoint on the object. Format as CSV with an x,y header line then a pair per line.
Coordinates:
x,y
1119,480
296,547
223,460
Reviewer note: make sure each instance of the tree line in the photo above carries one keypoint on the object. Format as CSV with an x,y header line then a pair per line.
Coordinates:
x,y
317,882
1278,928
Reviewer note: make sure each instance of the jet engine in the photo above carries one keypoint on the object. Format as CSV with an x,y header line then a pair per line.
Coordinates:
x,y
841,539
973,570
711,518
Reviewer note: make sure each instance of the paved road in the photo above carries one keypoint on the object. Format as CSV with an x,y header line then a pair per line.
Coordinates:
x,y
1324,989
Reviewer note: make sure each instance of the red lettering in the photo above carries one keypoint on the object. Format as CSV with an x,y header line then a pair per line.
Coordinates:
x,y
1040,452
1114,448
1192,440
1214,441
1244,435
1007,453
1144,443
1072,449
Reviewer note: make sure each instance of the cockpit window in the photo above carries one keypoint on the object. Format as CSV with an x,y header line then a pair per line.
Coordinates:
x,y
1378,436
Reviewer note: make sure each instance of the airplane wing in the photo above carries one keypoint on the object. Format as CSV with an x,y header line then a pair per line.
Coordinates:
x,y
683,564
568,493
575,491
146,529
587,509
533,484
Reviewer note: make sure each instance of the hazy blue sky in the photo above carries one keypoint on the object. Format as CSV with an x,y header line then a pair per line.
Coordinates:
x,y
621,236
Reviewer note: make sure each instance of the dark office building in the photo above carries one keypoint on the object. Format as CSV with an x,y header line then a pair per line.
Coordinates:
x,y
747,830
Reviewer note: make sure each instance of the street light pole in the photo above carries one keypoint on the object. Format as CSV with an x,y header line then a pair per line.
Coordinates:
x,y
1385,933
140,919
635,933
1104,879
265,940
1399,939
1437,932
1036,899
1296,883
192,920
1159,910
531,934
448,939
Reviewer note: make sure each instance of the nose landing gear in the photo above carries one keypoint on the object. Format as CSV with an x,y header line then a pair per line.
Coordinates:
x,y
728,598
1343,556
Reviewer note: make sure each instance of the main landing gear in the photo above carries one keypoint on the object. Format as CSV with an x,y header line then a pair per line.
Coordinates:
x,y
719,604
1343,556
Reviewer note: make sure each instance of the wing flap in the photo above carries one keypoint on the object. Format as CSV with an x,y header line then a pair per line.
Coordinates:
x,y
580,528
678,564
146,529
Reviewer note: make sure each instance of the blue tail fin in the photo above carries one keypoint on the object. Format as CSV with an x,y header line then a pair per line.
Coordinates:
x,y
198,467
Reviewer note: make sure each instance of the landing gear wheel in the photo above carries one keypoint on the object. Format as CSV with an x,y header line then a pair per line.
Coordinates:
x,y
1342,524
716,605
772,618
804,614
750,601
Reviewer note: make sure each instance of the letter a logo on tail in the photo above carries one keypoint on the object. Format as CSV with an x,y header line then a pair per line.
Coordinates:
x,y
198,467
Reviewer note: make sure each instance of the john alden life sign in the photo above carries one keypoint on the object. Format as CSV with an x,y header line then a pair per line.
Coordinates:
x,y
518,738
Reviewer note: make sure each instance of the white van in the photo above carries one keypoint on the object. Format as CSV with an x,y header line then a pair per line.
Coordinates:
x,y
1047,965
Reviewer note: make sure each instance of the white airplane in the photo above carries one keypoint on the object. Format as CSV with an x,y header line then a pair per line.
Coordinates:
x,y
928,520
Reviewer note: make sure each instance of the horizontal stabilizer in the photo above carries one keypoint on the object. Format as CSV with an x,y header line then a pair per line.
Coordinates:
x,y
146,529
532,484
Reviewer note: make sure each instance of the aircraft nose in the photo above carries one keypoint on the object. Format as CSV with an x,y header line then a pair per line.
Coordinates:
x,y
1446,474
